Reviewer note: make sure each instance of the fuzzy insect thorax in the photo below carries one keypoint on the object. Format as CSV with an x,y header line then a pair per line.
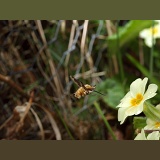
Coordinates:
x,y
81,92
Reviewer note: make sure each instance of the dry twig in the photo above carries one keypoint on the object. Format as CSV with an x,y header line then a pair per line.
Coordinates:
x,y
13,85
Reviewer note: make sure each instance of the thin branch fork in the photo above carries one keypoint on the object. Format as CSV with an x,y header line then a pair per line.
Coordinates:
x,y
10,82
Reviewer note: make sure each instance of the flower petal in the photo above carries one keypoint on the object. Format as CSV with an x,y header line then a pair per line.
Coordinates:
x,y
143,85
149,127
157,21
151,91
158,106
138,86
149,42
135,110
144,33
157,33
141,136
125,103
126,96
153,136
122,115
135,87
150,124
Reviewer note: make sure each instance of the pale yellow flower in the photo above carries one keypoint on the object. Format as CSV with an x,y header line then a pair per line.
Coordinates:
x,y
132,103
148,33
152,136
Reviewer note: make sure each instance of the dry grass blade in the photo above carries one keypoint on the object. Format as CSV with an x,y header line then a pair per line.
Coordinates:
x,y
52,121
84,36
5,123
51,62
39,123
71,39
110,32
40,29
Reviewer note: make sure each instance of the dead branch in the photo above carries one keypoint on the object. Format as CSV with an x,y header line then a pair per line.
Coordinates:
x,y
10,82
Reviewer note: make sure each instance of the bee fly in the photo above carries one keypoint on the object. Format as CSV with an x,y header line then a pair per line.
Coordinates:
x,y
83,90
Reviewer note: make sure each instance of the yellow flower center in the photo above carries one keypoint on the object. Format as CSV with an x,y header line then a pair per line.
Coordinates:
x,y
157,125
154,30
137,100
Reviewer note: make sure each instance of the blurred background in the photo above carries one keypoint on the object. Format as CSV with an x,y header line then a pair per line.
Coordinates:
x,y
37,59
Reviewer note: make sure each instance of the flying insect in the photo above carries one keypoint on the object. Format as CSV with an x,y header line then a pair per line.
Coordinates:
x,y
84,89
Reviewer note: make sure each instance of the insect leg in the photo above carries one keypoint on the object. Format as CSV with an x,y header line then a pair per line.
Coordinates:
x,y
99,93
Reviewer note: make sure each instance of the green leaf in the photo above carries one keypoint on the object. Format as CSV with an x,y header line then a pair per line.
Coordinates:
x,y
151,112
114,93
100,112
142,69
127,33
139,122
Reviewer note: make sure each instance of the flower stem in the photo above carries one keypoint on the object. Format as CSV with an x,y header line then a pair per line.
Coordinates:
x,y
105,120
119,56
151,55
63,122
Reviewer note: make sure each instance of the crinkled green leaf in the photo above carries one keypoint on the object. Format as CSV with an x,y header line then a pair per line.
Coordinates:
x,y
114,93
139,122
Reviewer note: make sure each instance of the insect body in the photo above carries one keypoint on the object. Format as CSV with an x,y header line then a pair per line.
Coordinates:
x,y
83,90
